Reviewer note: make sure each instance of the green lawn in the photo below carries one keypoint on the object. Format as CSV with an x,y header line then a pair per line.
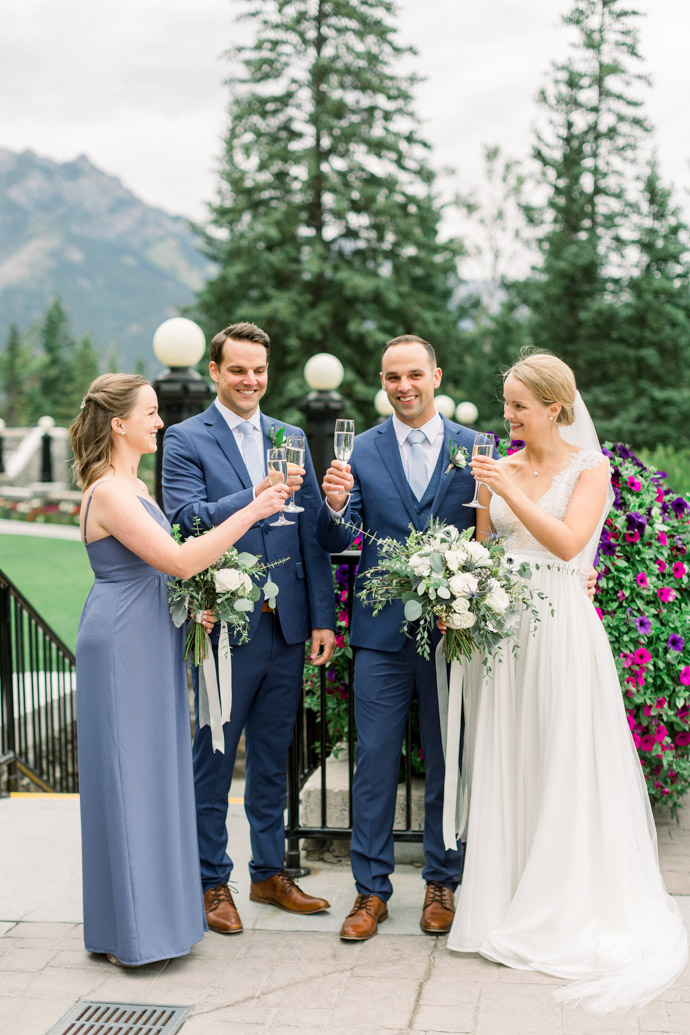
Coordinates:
x,y
53,574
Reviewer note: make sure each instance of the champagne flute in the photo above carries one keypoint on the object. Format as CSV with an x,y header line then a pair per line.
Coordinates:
x,y
483,446
344,439
295,447
276,466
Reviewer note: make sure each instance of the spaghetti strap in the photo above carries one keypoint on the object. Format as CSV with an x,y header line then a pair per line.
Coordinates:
x,y
86,513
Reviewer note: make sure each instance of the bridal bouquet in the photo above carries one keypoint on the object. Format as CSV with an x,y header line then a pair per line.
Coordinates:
x,y
443,573
227,588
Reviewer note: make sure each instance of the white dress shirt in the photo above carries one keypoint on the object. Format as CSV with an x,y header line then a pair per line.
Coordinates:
x,y
233,421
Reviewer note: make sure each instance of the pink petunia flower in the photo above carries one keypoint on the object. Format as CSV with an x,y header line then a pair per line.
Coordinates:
x,y
678,570
634,484
627,660
647,710
642,656
641,580
660,702
632,537
685,676
647,742
636,739
666,594
662,538
600,613
661,733
661,565
682,739
620,594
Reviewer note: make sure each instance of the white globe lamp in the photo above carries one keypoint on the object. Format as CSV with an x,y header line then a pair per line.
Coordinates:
x,y
179,342
382,404
324,372
466,413
445,405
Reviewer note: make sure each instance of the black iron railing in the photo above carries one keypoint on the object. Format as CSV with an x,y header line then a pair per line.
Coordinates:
x,y
312,798
37,699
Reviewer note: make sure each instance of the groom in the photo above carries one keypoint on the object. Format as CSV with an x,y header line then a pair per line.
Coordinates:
x,y
213,464
398,477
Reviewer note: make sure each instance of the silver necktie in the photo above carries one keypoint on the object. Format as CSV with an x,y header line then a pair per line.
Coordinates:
x,y
416,463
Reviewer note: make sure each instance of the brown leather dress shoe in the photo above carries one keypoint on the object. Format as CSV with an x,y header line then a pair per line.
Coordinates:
x,y
280,890
221,914
439,909
364,918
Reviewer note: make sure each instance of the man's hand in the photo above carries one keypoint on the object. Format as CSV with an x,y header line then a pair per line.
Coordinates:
x,y
337,484
322,646
591,582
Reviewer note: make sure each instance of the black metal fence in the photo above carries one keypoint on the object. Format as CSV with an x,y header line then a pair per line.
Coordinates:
x,y
37,699
319,805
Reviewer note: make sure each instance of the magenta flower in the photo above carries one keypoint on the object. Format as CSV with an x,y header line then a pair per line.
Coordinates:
x,y
660,702
675,642
678,570
685,676
636,739
620,595
647,710
661,733
682,739
666,593
647,742
634,484
631,720
661,565
642,656
632,537
641,580
600,613
662,538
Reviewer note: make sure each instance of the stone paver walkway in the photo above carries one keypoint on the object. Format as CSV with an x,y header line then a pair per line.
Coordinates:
x,y
284,975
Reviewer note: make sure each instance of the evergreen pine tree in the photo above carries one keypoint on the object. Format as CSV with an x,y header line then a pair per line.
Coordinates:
x,y
55,364
326,231
85,368
586,154
14,407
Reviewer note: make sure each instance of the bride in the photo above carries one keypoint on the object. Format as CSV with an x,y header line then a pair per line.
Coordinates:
x,y
561,872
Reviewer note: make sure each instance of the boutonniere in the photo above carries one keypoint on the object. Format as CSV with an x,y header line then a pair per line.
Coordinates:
x,y
276,435
457,457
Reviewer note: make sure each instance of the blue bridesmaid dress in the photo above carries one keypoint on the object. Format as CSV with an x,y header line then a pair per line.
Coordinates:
x,y
142,887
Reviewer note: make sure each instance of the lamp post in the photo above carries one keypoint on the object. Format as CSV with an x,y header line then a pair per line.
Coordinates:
x,y
182,392
47,423
321,406
466,413
2,458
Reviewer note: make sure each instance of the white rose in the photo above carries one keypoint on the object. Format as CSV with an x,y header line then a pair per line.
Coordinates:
x,y
463,584
461,604
420,564
461,620
497,599
229,579
478,554
246,583
454,558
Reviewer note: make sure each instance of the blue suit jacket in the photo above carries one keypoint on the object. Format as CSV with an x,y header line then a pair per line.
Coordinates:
x,y
204,474
382,503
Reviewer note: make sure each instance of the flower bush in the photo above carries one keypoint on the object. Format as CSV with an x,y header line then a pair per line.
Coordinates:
x,y
37,510
643,600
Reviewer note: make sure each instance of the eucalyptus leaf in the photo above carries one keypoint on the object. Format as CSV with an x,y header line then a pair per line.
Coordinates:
x,y
247,559
436,561
244,605
413,610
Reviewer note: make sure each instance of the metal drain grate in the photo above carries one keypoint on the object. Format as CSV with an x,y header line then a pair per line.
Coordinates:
x,y
93,1018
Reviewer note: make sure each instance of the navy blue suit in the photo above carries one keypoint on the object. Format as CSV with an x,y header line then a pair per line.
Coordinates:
x,y
388,670
204,475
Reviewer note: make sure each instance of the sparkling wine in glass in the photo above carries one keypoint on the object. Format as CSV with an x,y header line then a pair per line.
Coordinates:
x,y
344,439
483,446
296,448
276,466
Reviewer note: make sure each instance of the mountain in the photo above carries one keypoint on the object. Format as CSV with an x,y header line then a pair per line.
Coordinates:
x,y
120,266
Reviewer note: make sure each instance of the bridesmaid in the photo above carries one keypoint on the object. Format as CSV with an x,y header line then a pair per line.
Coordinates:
x,y
142,887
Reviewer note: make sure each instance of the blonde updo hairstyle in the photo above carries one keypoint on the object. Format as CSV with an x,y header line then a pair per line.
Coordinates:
x,y
549,379
91,436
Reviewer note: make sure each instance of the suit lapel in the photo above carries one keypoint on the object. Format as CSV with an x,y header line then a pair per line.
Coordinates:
x,y
387,445
218,427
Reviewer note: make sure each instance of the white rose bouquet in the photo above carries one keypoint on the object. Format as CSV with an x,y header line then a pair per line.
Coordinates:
x,y
227,588
443,573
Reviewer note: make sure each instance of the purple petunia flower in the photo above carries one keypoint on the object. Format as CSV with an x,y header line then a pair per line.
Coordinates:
x,y
679,506
643,625
675,642
635,521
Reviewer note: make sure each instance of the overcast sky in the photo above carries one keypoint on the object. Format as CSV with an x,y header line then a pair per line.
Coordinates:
x,y
137,85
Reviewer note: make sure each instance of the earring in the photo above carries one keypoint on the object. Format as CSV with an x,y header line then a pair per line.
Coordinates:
x,y
122,432
550,418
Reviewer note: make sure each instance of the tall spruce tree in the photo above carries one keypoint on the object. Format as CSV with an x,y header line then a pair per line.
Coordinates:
x,y
14,407
651,403
326,231
587,153
55,364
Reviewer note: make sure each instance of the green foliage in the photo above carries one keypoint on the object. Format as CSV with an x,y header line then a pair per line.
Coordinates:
x,y
12,372
326,228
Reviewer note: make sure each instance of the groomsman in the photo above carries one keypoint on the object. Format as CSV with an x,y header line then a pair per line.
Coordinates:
x,y
398,476
213,464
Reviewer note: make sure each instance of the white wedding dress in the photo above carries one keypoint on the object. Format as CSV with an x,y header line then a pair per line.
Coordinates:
x,y
561,872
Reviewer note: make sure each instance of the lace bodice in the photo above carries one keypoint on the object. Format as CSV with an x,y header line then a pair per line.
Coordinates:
x,y
554,502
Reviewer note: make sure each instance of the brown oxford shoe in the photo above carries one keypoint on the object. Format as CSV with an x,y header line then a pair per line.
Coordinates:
x,y
221,914
439,909
280,890
364,918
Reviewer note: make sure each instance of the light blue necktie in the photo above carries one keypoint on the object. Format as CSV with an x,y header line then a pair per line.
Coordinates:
x,y
251,452
416,463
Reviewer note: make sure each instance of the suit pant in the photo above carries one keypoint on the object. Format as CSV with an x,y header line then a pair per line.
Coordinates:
x,y
385,684
266,689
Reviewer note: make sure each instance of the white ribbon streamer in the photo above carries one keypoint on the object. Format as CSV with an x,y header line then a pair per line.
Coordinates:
x,y
450,715
215,690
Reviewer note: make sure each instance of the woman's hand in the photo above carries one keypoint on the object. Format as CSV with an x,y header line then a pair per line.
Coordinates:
x,y
490,472
440,624
206,618
270,501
